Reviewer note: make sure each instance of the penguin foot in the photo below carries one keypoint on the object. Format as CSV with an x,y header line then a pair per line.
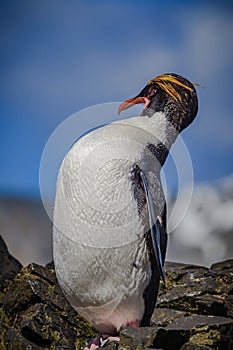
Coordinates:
x,y
135,324
101,341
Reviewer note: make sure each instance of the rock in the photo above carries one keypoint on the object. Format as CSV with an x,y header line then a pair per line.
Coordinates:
x,y
229,305
189,346
223,265
9,266
162,317
203,331
199,290
137,338
35,314
194,312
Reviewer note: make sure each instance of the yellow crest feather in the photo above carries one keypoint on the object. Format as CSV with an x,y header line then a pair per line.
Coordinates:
x,y
164,81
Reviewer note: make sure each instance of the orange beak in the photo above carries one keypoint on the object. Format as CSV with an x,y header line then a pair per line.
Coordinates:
x,y
133,101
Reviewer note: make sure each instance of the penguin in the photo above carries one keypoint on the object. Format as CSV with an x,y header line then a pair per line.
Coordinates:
x,y
109,225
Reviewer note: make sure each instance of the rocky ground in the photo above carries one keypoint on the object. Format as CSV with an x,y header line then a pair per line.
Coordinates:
x,y
195,312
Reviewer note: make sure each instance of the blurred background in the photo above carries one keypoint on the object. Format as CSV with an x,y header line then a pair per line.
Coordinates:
x,y
58,57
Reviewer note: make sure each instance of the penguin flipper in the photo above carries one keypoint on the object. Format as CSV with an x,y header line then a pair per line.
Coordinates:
x,y
156,228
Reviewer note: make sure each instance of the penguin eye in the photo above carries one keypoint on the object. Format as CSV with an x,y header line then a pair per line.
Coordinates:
x,y
152,92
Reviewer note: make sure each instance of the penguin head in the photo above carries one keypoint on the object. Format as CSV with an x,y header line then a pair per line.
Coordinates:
x,y
171,94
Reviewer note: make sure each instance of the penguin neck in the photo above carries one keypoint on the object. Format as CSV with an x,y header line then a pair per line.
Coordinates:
x,y
161,133
161,126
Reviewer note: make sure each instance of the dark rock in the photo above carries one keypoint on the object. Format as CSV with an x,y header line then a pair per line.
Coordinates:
x,y
201,291
177,273
9,266
205,331
162,317
112,346
137,338
35,314
14,340
171,339
212,305
189,346
194,312
229,305
223,265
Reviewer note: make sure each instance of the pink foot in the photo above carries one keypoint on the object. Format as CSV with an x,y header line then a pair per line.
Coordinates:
x,y
101,341
134,324
94,344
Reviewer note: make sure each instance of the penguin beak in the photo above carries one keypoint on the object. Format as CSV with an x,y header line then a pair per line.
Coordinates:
x,y
133,101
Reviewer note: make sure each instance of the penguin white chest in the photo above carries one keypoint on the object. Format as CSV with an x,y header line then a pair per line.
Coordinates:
x,y
100,251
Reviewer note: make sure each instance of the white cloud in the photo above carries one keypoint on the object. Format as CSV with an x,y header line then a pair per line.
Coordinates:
x,y
206,225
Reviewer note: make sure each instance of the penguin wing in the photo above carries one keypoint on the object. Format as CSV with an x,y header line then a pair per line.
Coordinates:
x,y
156,228
157,247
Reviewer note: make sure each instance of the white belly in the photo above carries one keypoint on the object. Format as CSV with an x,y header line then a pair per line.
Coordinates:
x,y
103,284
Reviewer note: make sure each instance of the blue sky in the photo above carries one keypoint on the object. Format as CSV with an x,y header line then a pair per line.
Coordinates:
x,y
58,57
